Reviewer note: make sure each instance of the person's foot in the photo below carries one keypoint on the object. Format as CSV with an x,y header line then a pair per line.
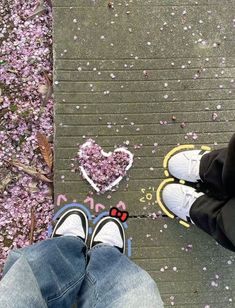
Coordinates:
x,y
179,199
109,231
185,165
73,222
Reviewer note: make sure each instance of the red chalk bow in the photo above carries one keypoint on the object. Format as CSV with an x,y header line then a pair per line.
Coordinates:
x,y
121,215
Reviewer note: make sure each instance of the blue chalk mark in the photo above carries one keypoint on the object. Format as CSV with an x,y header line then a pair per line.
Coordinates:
x,y
72,205
129,242
49,231
90,230
125,225
101,215
66,206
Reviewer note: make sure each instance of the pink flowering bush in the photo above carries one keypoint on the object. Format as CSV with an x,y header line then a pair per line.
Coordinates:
x,y
25,70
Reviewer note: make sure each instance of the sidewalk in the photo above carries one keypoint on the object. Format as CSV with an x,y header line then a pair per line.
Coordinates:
x,y
150,75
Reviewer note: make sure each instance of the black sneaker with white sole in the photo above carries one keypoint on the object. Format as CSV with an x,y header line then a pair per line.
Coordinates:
x,y
72,222
109,231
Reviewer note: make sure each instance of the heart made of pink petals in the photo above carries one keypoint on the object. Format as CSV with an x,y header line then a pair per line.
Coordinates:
x,y
101,169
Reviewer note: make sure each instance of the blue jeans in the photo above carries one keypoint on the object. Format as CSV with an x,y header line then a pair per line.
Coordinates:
x,y
59,272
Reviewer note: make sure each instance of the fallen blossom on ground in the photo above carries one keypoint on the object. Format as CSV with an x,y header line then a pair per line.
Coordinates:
x,y
191,136
102,170
25,70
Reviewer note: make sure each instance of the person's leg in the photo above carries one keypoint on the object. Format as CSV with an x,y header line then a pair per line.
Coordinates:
x,y
217,171
55,268
19,287
216,217
211,173
112,279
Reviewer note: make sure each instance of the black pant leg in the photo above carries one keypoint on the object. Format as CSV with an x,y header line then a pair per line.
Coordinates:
x,y
211,170
215,212
217,171
217,218
228,174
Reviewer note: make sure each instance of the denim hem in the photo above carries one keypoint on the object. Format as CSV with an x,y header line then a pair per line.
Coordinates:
x,y
102,245
70,236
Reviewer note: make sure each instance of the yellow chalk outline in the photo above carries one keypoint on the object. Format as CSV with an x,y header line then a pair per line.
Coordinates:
x,y
166,173
174,150
205,148
177,149
185,224
159,201
169,180
158,196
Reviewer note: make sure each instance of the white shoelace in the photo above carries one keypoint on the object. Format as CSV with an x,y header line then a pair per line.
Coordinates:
x,y
189,199
193,165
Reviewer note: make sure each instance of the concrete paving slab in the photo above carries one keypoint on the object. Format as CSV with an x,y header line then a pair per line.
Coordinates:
x,y
186,263
121,75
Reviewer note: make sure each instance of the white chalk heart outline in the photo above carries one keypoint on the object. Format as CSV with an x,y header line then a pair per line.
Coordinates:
x,y
106,154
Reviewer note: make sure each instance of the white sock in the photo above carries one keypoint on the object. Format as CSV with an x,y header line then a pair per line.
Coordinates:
x,y
110,235
72,226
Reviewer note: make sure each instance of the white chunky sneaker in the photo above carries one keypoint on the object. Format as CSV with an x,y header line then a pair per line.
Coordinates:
x,y
109,231
185,165
179,198
73,222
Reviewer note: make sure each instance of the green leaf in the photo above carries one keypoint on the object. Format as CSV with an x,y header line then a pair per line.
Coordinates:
x,y
13,108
